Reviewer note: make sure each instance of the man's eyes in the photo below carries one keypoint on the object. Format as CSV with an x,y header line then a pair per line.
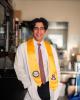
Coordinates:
x,y
37,28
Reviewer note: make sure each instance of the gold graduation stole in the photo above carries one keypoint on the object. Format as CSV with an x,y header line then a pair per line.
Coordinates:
x,y
34,66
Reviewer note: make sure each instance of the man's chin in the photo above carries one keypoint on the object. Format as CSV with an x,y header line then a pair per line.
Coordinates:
x,y
39,40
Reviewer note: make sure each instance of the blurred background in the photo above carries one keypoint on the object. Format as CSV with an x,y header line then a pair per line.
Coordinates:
x,y
63,33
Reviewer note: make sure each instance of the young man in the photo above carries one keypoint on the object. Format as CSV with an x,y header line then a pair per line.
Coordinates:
x,y
36,64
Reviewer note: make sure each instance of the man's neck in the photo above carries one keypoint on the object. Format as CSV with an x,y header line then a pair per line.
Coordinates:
x,y
37,41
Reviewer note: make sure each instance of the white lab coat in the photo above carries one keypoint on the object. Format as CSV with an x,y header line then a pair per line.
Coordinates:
x,y
22,71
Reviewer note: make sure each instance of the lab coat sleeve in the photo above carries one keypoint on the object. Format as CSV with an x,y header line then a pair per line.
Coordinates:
x,y
57,91
56,62
19,67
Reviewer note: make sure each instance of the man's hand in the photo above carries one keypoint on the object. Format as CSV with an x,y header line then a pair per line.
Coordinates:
x,y
43,91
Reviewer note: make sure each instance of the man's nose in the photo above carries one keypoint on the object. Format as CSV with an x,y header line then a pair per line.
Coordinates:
x,y
39,30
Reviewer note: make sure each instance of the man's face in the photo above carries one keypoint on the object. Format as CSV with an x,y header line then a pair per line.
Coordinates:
x,y
39,31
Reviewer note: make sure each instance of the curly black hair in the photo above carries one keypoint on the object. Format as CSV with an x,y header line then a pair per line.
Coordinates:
x,y
34,21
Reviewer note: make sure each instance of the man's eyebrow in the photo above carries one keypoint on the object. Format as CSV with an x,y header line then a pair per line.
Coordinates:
x,y
38,27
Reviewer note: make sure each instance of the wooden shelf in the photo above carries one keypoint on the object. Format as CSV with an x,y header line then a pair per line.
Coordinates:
x,y
70,72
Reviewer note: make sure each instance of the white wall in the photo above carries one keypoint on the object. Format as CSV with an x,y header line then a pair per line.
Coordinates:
x,y
54,10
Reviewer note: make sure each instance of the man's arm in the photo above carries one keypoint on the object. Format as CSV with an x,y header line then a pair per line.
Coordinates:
x,y
56,62
57,91
19,67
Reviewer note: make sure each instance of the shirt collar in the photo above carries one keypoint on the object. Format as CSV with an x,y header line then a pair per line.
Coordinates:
x,y
35,42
